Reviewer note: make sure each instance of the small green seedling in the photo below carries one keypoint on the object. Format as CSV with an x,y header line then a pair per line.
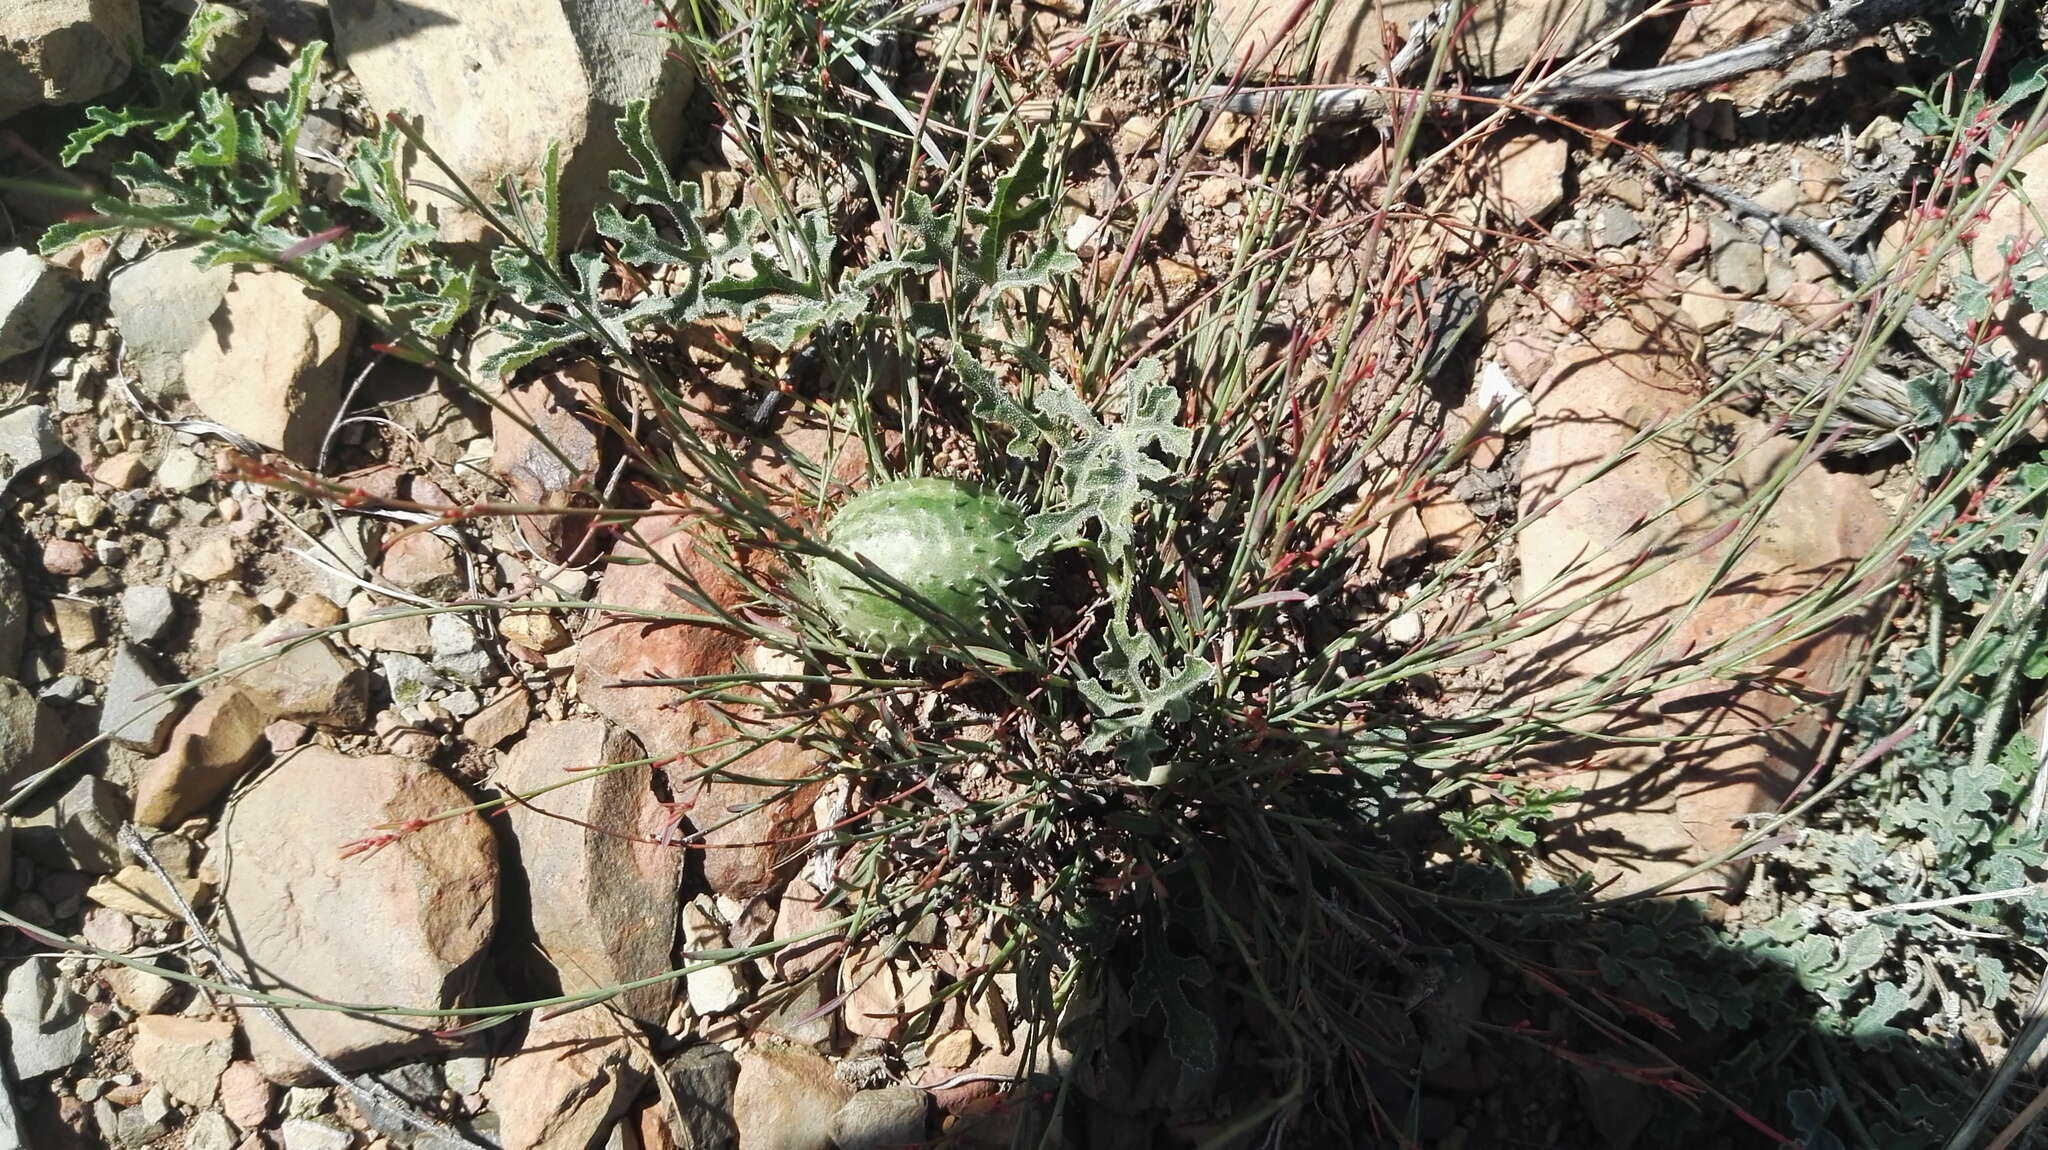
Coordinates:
x,y
956,546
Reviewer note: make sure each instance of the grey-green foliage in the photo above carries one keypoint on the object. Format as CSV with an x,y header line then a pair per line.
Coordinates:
x,y
1914,895
784,292
1109,469
1110,473
229,175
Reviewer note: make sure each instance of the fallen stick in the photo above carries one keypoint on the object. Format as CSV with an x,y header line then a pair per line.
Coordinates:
x,y
1855,269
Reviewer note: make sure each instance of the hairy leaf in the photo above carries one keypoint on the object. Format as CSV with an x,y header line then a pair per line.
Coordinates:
x,y
1135,694
1105,468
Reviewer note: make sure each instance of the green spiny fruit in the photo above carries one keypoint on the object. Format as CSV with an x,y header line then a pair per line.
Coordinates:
x,y
950,542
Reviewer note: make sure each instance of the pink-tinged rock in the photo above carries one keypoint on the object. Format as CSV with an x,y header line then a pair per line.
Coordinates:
x,y
500,719
570,1080
800,911
548,451
2012,225
320,902
423,563
1522,173
245,1095
602,888
1650,812
66,557
751,829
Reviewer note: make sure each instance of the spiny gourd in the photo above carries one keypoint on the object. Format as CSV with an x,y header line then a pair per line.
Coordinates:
x,y
952,543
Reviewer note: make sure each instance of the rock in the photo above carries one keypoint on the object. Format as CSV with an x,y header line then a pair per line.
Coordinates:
x,y
306,679
245,1095
210,1131
209,749
524,75
882,1119
567,1084
161,306
714,990
122,471
182,469
110,930
136,891
1651,811
623,649
801,911
137,713
1522,173
348,547
149,611
405,738
294,22
66,558
1499,37
603,897
268,363
423,563
30,736
142,1124
31,298
2009,226
313,1134
1717,25
225,619
1735,259
458,650
76,831
536,631
500,719
786,1098
548,453
404,923
227,35
139,990
45,1020
28,439
211,558
1617,226
64,51
702,1078
13,618
185,1056
77,624
404,631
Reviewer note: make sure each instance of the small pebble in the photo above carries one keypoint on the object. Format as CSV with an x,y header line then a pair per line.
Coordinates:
x,y
122,471
89,510
66,557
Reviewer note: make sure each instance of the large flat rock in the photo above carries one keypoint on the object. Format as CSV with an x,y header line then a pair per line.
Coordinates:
x,y
402,924
1703,595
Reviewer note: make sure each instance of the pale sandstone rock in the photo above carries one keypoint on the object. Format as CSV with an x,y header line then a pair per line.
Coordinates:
x,y
317,905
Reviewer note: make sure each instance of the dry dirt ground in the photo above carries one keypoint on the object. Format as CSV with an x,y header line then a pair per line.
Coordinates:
x,y
1577,291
